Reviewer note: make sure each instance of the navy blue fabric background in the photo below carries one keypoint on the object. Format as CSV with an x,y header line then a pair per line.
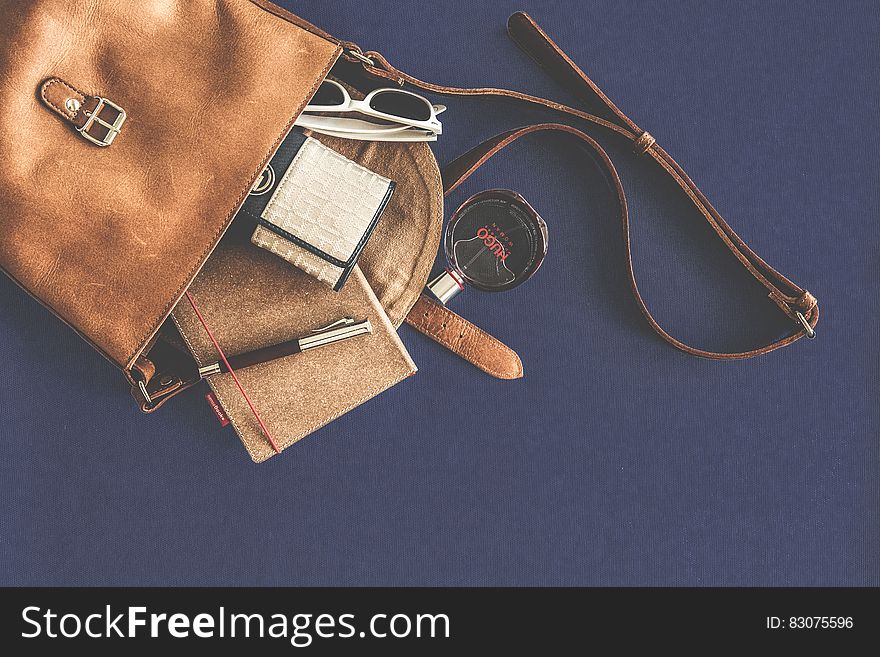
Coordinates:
x,y
617,459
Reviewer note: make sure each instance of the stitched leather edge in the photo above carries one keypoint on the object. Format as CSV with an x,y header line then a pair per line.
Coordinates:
x,y
290,17
60,110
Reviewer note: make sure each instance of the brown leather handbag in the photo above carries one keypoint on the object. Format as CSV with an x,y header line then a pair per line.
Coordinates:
x,y
133,132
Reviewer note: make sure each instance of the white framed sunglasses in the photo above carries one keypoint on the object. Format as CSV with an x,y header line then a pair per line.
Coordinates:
x,y
395,105
348,128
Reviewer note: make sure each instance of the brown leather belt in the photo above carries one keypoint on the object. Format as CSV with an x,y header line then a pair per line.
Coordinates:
x,y
481,349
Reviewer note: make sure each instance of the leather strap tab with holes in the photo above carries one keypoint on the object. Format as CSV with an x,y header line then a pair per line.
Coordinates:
x,y
795,302
463,338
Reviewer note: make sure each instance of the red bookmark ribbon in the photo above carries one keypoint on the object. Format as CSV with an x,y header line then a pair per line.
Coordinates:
x,y
263,428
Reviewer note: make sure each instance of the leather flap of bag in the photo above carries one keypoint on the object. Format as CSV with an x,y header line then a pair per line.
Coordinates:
x,y
109,238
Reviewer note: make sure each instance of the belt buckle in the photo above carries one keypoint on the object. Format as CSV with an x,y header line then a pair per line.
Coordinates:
x,y
94,117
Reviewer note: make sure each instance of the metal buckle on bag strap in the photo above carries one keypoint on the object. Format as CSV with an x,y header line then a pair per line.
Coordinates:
x,y
353,51
361,57
143,388
94,117
808,330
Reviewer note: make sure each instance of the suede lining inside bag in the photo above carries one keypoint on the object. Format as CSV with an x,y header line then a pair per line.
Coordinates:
x,y
115,239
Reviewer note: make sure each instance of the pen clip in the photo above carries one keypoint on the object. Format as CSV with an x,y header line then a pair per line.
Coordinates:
x,y
343,329
345,321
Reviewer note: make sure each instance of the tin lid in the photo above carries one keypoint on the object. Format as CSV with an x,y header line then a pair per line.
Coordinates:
x,y
495,240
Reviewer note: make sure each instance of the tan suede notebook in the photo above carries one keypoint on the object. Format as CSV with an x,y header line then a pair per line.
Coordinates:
x,y
250,298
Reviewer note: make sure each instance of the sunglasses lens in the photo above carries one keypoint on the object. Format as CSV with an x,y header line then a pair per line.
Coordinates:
x,y
404,105
328,95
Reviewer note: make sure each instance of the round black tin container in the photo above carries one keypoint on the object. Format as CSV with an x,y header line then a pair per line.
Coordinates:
x,y
495,240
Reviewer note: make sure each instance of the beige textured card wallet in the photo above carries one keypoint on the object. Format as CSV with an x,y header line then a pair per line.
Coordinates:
x,y
321,212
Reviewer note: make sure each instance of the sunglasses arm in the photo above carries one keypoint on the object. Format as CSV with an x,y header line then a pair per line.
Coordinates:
x,y
403,136
344,124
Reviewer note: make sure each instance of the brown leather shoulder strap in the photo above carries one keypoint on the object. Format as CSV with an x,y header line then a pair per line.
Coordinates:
x,y
798,304
460,169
